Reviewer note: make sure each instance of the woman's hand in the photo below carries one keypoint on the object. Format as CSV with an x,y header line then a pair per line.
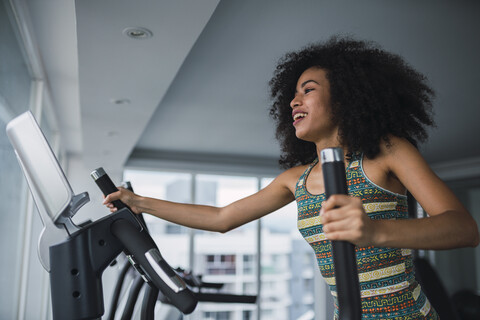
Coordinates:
x,y
126,196
344,218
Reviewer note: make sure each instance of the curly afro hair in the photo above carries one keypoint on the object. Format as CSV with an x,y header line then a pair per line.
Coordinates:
x,y
374,94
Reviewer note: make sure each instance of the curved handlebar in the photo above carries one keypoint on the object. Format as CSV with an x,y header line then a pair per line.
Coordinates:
x,y
141,246
155,268
106,185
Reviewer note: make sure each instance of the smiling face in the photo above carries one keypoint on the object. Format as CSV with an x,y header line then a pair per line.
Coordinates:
x,y
311,110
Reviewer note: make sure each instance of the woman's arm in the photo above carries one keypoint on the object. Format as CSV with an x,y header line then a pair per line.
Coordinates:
x,y
276,195
448,226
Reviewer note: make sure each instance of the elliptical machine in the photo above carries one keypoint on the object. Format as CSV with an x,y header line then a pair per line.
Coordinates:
x,y
76,256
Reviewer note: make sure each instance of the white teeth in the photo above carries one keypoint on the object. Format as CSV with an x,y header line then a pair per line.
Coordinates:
x,y
299,115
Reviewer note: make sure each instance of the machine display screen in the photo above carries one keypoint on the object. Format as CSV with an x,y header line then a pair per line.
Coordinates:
x,y
50,189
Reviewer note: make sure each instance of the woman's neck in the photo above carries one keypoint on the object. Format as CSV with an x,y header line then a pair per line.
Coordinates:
x,y
333,141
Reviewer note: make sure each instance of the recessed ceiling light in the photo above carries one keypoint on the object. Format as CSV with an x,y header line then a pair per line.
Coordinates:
x,y
137,33
120,101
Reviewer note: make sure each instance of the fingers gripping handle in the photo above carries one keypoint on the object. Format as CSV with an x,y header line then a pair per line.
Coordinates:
x,y
344,257
106,185
140,244
156,269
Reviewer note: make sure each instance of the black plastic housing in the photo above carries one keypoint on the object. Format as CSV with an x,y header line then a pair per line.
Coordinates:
x,y
77,265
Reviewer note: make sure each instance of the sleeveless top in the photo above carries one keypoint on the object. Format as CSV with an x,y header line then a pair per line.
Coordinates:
x,y
387,280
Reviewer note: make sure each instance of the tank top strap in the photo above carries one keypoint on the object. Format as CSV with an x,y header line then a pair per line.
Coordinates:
x,y
354,161
303,177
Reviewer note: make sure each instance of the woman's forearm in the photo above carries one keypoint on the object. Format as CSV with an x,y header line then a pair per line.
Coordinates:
x,y
451,229
190,215
210,218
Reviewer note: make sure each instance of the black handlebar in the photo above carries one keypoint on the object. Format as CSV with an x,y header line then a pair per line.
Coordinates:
x,y
344,257
141,246
106,185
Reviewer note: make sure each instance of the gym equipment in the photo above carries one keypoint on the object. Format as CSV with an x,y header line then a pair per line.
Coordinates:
x,y
344,257
147,307
151,295
143,252
203,291
77,256
196,283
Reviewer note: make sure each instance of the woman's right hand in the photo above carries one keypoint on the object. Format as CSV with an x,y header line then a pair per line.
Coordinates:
x,y
126,196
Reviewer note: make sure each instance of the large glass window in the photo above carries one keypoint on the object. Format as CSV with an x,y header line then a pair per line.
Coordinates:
x,y
171,239
14,99
15,79
219,257
287,262
288,266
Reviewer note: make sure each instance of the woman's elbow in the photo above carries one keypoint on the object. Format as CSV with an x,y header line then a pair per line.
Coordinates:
x,y
473,235
224,221
226,227
222,225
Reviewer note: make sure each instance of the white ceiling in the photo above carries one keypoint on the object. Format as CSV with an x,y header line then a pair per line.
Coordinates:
x,y
199,86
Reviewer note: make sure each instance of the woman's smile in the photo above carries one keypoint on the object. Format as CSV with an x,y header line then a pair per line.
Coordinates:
x,y
298,116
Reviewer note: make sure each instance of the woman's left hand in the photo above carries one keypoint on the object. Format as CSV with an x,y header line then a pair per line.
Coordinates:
x,y
344,218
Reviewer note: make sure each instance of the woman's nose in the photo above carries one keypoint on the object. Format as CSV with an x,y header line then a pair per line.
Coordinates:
x,y
295,102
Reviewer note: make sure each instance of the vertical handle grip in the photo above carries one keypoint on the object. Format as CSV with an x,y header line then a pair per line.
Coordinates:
x,y
106,185
344,257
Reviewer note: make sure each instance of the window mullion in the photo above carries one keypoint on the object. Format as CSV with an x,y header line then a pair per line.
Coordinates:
x,y
259,257
191,238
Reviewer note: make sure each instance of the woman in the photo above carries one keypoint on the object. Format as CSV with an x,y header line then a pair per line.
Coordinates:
x,y
353,95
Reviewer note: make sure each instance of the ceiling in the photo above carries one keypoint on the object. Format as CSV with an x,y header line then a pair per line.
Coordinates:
x,y
198,88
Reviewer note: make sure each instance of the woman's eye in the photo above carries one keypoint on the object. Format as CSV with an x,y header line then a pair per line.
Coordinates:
x,y
307,90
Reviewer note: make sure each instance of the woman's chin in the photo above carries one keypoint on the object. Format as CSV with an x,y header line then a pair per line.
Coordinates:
x,y
302,136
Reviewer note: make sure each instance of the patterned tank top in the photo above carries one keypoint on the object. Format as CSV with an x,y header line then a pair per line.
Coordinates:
x,y
387,280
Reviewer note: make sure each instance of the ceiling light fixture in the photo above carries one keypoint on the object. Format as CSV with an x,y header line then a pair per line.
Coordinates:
x,y
120,101
138,33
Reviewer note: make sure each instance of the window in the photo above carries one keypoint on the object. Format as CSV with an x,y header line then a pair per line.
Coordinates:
x,y
247,315
222,315
225,252
288,265
287,262
15,83
248,264
171,239
220,265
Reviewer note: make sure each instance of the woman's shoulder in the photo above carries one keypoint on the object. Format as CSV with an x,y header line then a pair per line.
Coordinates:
x,y
296,172
388,168
397,149
291,176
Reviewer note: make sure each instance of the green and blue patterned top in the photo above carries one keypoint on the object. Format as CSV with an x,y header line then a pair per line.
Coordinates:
x,y
387,280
